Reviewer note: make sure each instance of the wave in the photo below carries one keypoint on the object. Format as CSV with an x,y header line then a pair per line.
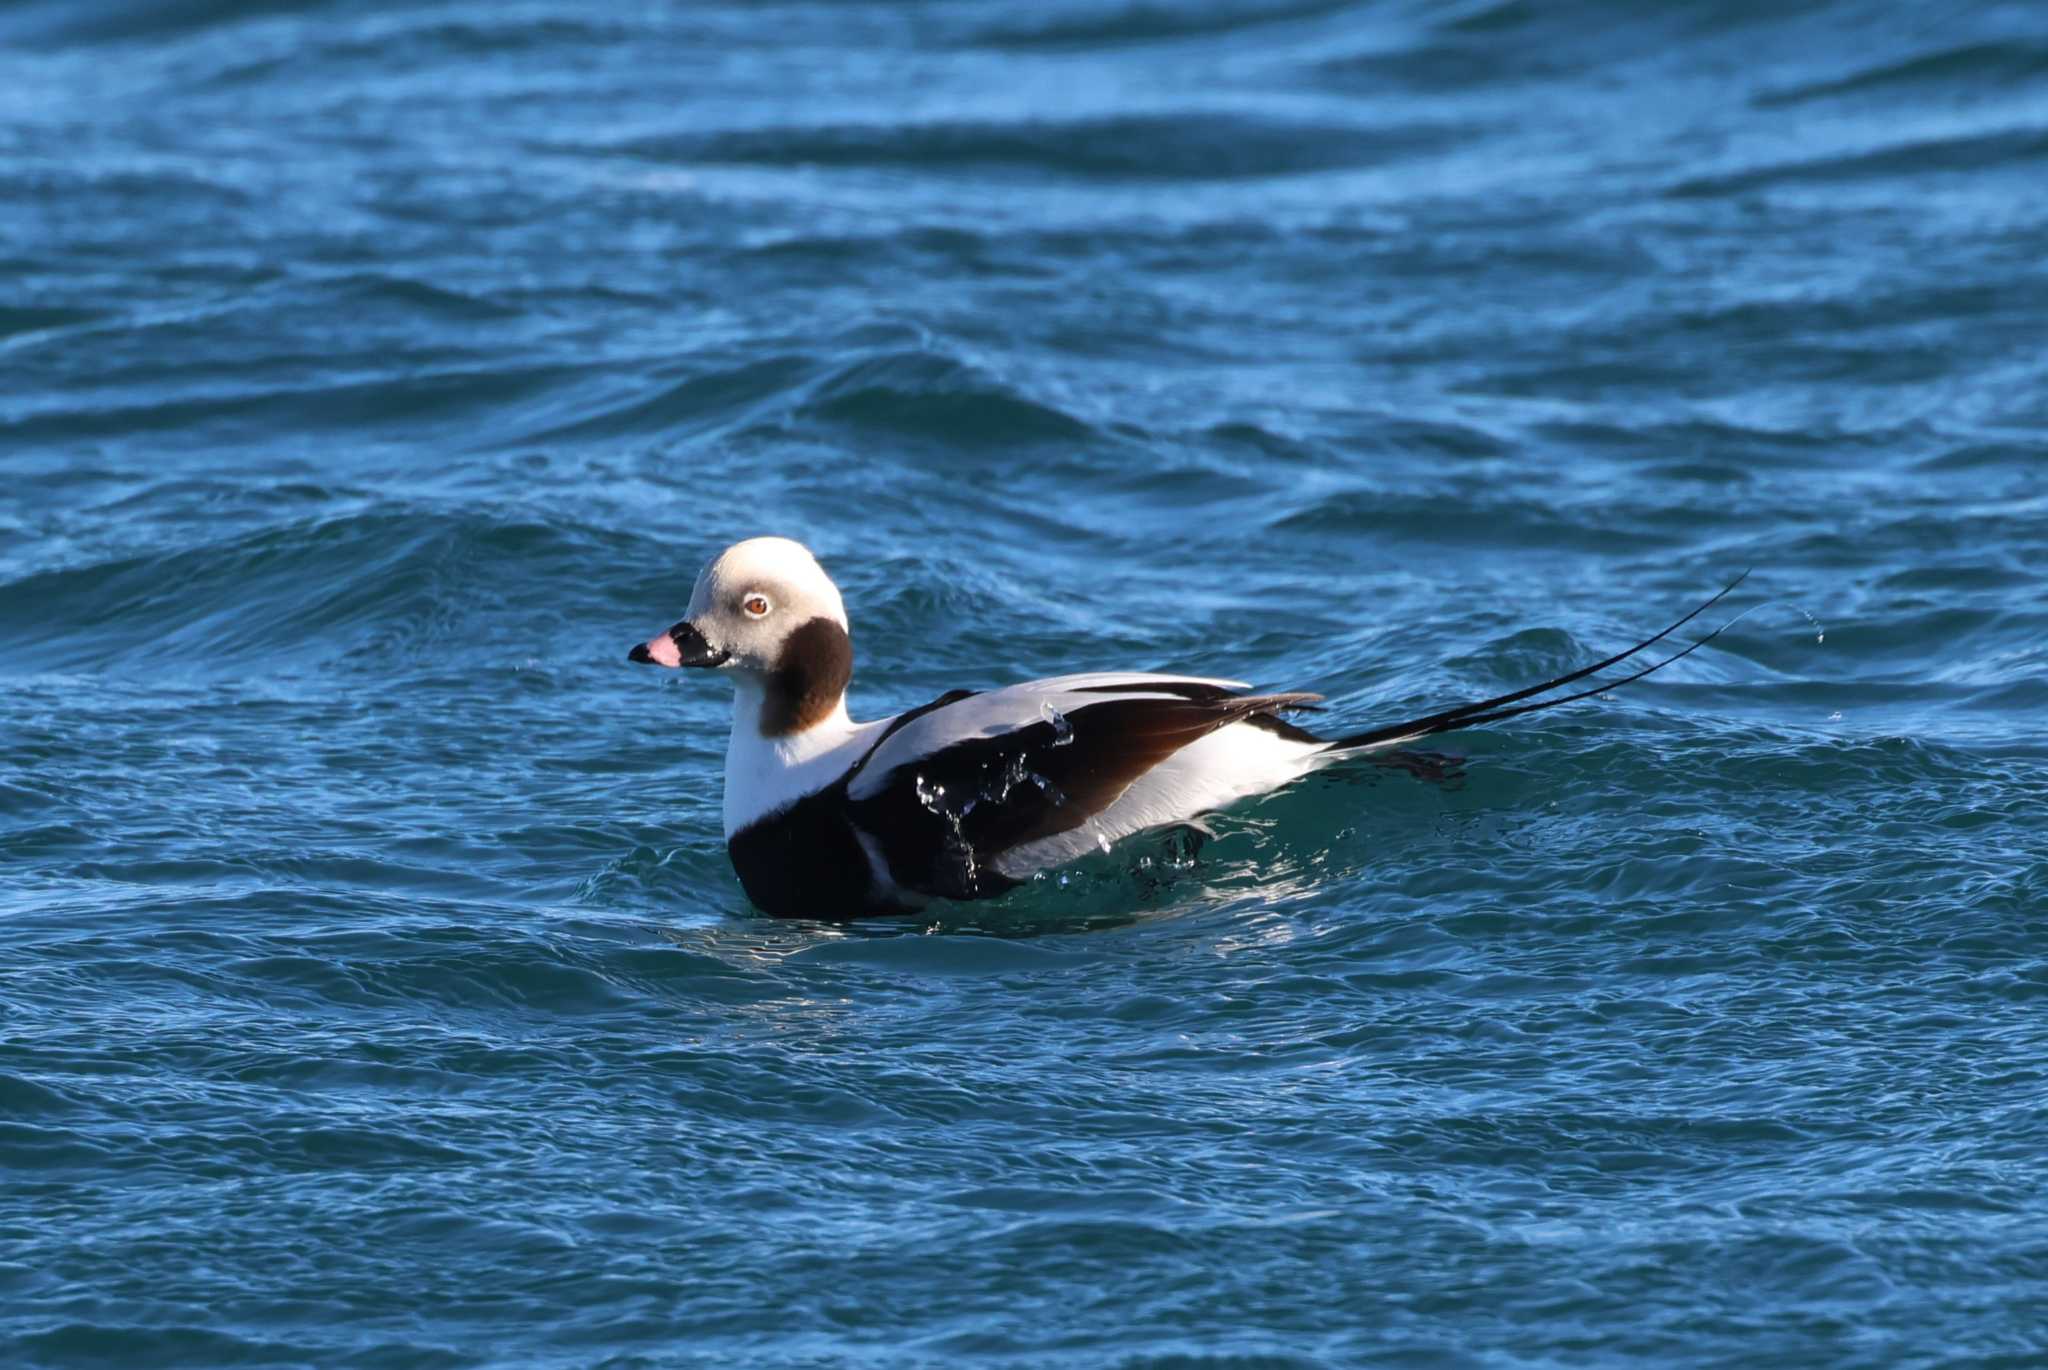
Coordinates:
x,y
23,319
2004,150
1069,26
1468,519
257,351
354,407
64,21
908,392
1968,71
300,596
936,398
707,399
405,40
1178,145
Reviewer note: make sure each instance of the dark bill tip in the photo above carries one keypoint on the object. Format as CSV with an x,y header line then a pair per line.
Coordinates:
x,y
681,645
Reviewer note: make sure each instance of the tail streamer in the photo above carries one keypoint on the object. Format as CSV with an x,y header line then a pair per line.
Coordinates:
x,y
1492,710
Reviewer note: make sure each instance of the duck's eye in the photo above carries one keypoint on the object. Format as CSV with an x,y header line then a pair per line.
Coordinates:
x,y
756,605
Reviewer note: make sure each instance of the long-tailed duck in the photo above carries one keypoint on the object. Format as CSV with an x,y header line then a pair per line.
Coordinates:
x,y
972,793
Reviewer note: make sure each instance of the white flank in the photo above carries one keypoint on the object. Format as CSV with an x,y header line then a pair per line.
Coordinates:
x,y
1208,774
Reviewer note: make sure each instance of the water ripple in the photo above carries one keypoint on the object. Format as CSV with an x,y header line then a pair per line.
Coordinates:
x,y
377,987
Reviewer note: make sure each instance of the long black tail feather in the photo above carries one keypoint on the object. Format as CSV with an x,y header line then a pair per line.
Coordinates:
x,y
1492,710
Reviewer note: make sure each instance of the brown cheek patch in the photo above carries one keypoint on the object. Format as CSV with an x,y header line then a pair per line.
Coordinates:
x,y
809,678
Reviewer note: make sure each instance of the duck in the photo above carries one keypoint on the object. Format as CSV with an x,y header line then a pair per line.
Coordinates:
x,y
978,791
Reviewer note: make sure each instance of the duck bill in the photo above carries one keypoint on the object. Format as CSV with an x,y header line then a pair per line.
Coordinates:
x,y
680,646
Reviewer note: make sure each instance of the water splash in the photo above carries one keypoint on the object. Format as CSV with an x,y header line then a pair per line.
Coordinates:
x,y
1820,632
1017,771
933,797
999,783
1062,729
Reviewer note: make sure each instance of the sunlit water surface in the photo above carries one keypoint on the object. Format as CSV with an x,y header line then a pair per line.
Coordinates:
x,y
373,986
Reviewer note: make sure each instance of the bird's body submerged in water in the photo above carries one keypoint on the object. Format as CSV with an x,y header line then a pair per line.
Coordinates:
x,y
974,792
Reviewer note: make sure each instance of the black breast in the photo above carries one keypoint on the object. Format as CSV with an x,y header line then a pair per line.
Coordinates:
x,y
804,862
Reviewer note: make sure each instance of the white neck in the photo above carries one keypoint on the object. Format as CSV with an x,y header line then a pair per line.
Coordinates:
x,y
763,774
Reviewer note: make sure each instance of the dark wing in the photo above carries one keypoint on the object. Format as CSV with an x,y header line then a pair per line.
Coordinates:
x,y
941,818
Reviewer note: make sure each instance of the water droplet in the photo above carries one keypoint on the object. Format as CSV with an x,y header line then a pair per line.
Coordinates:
x,y
933,796
1062,730
1012,776
1820,632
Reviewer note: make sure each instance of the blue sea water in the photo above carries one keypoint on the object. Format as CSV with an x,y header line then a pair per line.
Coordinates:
x,y
374,989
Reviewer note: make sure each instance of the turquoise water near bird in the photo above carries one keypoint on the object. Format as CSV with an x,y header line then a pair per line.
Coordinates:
x,y
374,986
